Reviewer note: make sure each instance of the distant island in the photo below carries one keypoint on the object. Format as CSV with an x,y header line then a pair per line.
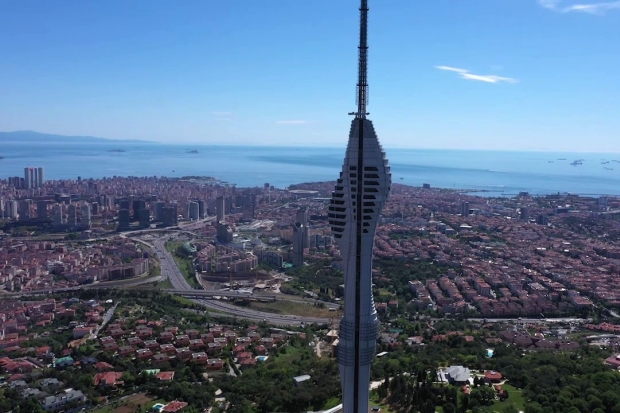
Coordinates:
x,y
31,136
117,150
193,151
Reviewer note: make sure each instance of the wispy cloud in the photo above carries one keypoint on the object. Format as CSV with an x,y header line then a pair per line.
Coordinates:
x,y
592,8
292,122
549,4
221,113
465,74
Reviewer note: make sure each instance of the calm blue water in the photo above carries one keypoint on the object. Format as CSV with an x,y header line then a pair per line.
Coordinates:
x,y
497,172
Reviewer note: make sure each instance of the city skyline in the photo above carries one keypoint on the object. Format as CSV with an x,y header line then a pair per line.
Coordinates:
x,y
515,75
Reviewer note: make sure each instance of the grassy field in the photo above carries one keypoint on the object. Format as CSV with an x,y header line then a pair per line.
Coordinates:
x,y
375,401
184,263
164,285
138,403
515,398
581,335
300,309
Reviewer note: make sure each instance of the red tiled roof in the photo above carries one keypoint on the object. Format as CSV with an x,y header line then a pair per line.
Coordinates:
x,y
165,375
102,365
109,378
492,375
174,406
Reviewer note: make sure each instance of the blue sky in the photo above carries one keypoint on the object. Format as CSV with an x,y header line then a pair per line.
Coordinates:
x,y
476,74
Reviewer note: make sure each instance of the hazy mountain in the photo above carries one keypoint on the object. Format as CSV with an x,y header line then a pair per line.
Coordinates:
x,y
31,136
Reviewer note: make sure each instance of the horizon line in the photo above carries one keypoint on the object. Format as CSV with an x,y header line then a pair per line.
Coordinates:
x,y
388,146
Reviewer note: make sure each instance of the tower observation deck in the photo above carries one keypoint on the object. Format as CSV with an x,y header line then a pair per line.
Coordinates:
x,y
355,206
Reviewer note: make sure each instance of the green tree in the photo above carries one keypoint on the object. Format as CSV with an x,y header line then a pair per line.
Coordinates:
x,y
449,408
483,394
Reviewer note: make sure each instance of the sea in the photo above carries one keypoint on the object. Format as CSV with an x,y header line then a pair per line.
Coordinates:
x,y
482,173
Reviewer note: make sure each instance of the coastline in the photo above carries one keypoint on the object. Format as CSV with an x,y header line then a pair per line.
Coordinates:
x,y
479,173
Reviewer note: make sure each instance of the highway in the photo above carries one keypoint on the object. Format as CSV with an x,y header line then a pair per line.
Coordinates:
x,y
180,286
169,270
531,320
253,315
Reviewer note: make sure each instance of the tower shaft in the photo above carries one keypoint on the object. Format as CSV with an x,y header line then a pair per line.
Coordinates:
x,y
354,210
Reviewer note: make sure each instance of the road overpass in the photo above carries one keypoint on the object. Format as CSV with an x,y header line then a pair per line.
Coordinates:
x,y
224,294
169,270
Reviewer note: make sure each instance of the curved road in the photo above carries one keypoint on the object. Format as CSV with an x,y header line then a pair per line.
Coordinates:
x,y
271,318
169,270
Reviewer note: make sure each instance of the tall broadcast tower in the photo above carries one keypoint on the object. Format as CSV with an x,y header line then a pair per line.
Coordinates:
x,y
356,203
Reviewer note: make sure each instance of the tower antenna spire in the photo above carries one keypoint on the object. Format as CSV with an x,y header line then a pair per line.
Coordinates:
x,y
362,72
362,69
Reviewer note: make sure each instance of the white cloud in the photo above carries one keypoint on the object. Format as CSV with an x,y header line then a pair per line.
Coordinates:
x,y
465,74
292,122
592,8
221,113
451,69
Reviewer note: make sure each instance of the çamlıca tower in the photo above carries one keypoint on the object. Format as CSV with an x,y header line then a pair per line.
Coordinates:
x,y
356,203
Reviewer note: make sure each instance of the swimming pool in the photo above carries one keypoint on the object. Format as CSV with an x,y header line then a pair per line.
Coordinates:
x,y
262,358
158,406
490,352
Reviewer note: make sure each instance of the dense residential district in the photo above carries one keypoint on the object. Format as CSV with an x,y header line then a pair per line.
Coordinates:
x,y
188,295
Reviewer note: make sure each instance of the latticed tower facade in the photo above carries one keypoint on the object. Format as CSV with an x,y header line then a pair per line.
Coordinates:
x,y
357,201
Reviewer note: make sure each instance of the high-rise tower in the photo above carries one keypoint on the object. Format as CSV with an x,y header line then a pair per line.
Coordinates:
x,y
300,236
220,209
356,203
